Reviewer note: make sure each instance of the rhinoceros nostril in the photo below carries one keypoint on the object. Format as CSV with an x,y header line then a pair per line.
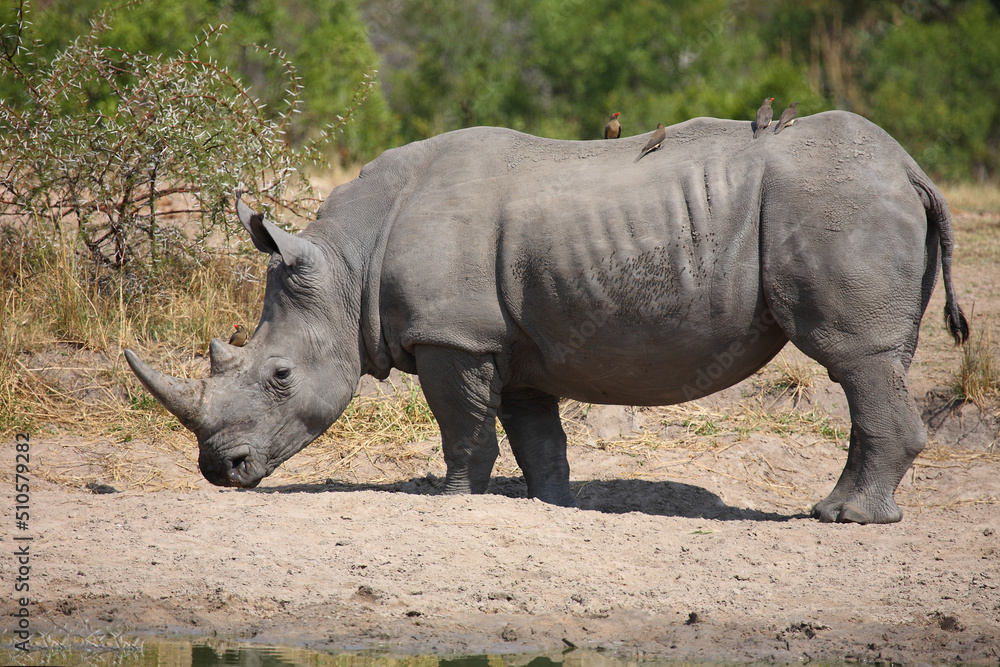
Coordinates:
x,y
241,466
239,459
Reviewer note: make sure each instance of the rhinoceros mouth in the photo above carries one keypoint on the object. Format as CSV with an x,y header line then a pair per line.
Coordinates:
x,y
241,472
237,468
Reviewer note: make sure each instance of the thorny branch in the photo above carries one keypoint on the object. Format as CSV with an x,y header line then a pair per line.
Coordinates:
x,y
104,138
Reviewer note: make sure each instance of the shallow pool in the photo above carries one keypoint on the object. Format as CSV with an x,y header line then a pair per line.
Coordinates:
x,y
119,651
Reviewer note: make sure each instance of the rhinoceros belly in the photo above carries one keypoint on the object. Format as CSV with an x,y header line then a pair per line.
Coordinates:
x,y
636,331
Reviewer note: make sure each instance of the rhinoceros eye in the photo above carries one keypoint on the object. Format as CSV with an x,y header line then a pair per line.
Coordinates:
x,y
278,377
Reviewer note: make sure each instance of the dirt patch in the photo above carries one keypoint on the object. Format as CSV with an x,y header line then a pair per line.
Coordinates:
x,y
689,560
691,541
697,550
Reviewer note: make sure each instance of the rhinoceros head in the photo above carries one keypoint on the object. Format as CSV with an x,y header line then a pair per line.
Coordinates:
x,y
267,400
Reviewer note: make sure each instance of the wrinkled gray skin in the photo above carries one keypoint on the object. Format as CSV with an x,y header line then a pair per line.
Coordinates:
x,y
508,271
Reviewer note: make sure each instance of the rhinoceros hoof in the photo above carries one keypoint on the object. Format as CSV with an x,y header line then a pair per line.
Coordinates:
x,y
828,509
825,514
857,511
853,513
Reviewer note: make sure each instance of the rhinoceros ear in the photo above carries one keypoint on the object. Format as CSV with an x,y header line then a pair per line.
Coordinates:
x,y
268,237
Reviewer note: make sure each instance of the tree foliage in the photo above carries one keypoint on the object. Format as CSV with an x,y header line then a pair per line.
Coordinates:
x,y
944,105
560,67
923,69
325,39
115,150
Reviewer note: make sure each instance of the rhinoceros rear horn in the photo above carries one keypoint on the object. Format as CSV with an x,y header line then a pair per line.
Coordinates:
x,y
183,398
222,356
268,237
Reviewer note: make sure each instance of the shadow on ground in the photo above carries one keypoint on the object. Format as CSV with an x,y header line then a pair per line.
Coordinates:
x,y
615,496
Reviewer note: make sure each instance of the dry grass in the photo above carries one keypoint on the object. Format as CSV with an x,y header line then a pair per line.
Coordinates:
x,y
63,375
755,414
324,182
61,325
691,439
980,197
794,377
925,491
159,463
384,429
391,436
978,378
977,240
697,429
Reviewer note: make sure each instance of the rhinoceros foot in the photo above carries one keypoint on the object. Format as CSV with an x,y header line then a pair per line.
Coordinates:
x,y
857,510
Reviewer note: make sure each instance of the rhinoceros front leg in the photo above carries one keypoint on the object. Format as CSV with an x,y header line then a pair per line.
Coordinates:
x,y
463,392
886,436
539,445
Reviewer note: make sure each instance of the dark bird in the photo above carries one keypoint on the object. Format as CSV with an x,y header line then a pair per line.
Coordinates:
x,y
764,115
654,141
613,129
239,337
787,117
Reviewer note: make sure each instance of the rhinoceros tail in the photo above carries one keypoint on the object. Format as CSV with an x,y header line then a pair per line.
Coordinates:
x,y
939,215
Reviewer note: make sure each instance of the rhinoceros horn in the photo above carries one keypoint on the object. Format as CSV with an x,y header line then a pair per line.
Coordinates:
x,y
222,356
183,398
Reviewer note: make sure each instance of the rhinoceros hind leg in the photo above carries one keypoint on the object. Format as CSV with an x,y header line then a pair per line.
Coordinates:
x,y
463,392
539,445
886,436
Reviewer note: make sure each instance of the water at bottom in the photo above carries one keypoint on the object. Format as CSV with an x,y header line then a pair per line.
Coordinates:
x,y
145,652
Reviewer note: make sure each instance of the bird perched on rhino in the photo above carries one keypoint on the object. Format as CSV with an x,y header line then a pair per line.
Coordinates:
x,y
764,115
240,336
654,141
613,129
787,117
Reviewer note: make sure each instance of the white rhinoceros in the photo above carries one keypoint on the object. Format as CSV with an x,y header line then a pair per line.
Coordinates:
x,y
508,271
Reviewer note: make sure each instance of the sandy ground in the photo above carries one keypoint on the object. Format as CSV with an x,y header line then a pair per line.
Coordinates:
x,y
693,544
691,559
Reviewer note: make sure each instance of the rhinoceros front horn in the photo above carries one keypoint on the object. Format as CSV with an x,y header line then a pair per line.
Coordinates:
x,y
183,398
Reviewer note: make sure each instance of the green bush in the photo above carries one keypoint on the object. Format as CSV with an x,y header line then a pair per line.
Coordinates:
x,y
136,157
326,40
934,87
559,68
